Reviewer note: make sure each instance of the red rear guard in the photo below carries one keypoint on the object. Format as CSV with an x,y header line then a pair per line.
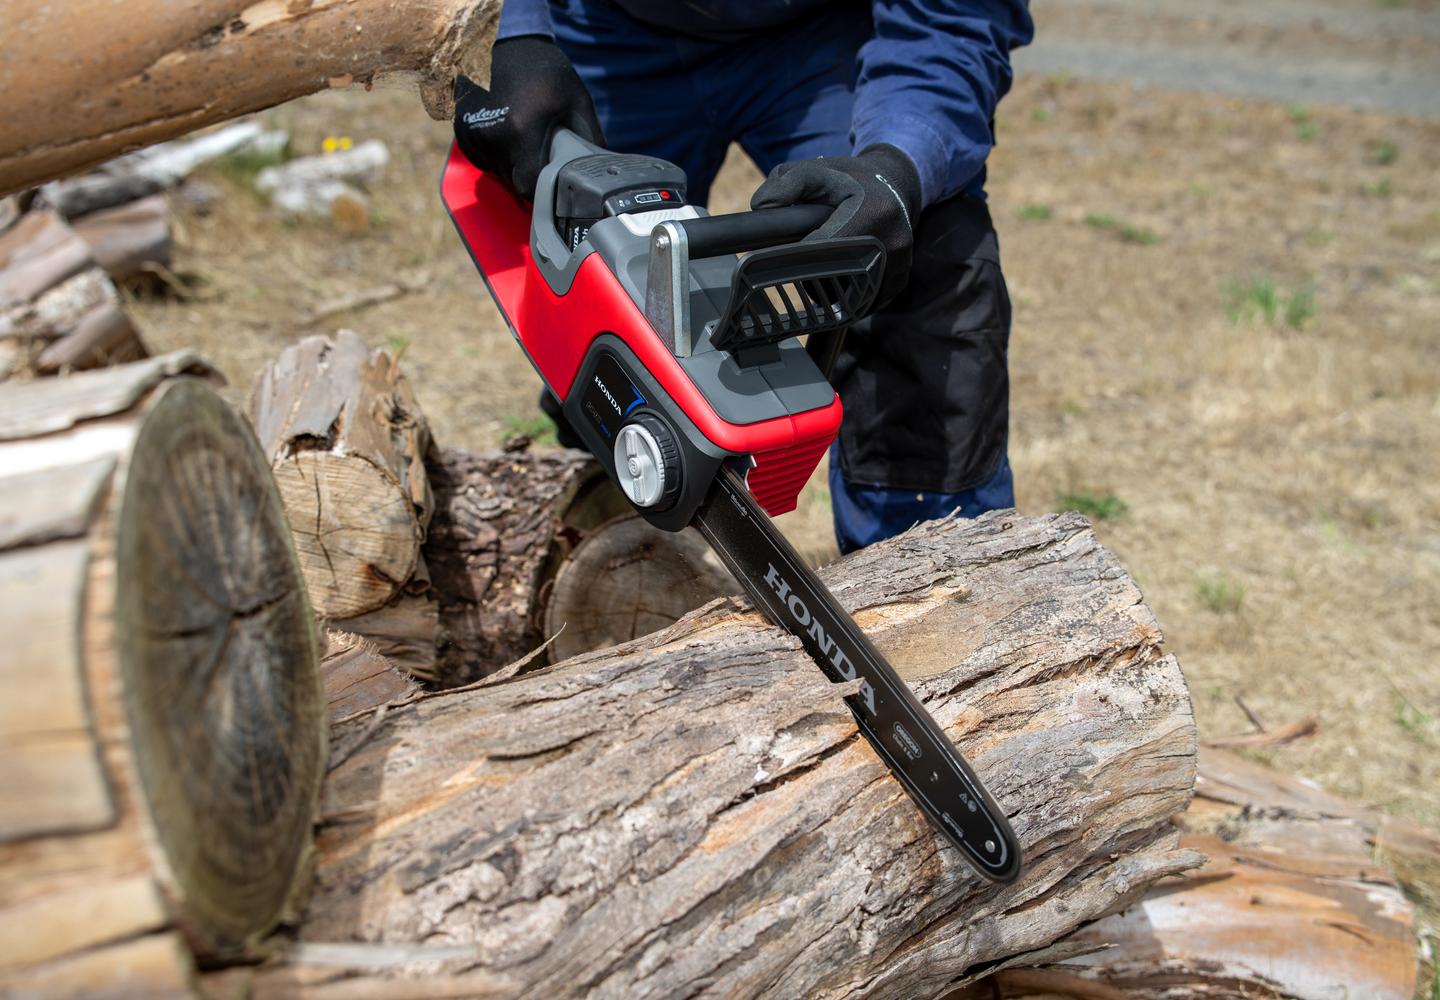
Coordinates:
x,y
556,331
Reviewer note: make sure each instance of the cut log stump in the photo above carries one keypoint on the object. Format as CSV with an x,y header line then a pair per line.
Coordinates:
x,y
163,724
348,444
529,546
694,813
59,311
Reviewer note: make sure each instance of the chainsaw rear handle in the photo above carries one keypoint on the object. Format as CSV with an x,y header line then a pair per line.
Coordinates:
x,y
716,235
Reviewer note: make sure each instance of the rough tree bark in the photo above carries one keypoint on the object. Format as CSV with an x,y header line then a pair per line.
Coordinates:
x,y
1295,903
693,813
58,309
530,545
162,726
348,443
151,69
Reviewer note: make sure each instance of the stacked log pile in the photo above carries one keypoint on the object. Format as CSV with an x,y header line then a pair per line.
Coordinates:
x,y
453,563
163,724
59,310
690,811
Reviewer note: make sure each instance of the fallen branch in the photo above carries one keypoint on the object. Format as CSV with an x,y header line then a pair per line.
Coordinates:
x,y
152,69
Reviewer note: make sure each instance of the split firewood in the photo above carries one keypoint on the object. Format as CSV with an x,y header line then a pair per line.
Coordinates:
x,y
129,240
59,311
1295,903
162,726
348,444
358,678
533,545
694,812
155,70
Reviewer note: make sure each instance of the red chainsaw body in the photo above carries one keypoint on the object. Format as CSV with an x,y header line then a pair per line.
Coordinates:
x,y
556,331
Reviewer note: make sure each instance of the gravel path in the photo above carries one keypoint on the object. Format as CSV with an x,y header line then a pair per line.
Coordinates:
x,y
1352,52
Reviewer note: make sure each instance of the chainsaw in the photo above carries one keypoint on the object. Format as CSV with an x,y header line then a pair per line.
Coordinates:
x,y
673,340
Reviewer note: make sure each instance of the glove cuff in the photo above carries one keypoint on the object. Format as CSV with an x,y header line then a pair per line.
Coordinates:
x,y
899,171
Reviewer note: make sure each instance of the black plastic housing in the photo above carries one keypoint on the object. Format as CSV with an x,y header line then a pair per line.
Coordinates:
x,y
700,460
591,188
816,287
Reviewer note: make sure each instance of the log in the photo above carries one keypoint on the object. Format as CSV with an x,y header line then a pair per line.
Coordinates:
x,y
128,240
154,70
357,677
348,443
530,545
1295,903
152,170
59,311
693,812
162,726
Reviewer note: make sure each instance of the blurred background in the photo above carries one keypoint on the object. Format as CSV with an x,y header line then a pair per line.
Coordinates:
x,y
1220,222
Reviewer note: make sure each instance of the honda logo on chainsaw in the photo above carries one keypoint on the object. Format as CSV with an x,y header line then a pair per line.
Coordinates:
x,y
816,630
606,390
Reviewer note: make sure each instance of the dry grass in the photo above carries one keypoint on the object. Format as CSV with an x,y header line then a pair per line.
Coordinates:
x,y
1273,486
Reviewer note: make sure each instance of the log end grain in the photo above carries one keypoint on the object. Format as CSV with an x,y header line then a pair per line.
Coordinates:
x,y
355,532
218,664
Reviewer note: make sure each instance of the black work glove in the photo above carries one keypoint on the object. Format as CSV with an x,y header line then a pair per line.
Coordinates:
x,y
534,91
874,193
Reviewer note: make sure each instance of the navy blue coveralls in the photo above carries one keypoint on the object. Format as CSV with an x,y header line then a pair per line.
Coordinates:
x,y
923,382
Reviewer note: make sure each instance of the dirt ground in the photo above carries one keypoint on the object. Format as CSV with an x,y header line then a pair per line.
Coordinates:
x,y
1226,349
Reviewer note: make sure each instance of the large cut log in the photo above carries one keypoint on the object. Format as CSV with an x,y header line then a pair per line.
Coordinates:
x,y
694,813
162,725
151,69
348,443
528,546
58,309
1295,903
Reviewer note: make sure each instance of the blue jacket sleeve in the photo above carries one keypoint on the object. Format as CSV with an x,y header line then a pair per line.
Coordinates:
x,y
930,79
525,17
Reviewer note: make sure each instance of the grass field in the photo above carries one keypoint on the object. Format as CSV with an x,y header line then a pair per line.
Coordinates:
x,y
1226,352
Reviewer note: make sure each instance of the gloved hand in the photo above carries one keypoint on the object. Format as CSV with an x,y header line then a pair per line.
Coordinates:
x,y
534,91
874,193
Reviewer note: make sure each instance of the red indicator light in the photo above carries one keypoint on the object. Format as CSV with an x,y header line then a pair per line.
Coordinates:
x,y
665,195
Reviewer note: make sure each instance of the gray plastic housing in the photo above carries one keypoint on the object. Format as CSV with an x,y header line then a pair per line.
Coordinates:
x,y
789,384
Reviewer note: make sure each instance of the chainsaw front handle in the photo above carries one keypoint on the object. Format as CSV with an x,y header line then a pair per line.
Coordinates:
x,y
740,232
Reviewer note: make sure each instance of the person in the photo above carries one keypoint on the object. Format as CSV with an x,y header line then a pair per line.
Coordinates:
x,y
883,110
